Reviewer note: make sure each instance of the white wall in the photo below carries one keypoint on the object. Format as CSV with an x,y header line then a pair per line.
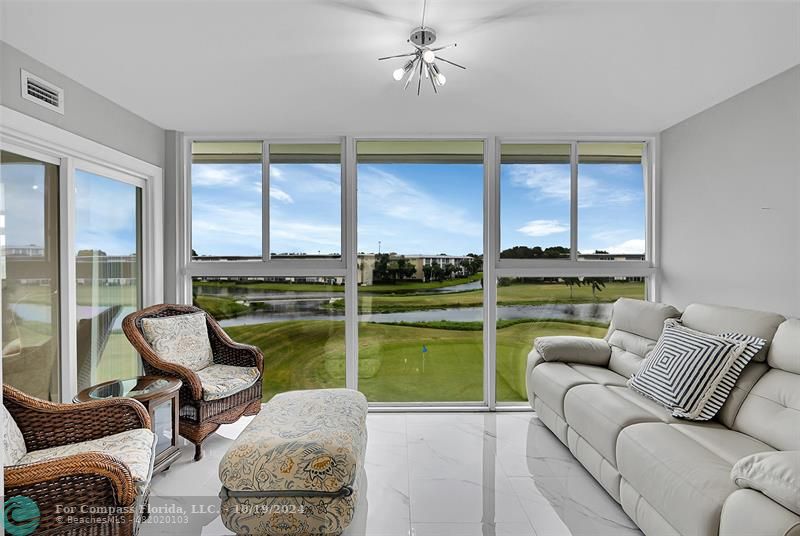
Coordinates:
x,y
86,113
730,198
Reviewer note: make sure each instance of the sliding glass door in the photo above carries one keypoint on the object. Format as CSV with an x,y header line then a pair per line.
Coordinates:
x,y
31,289
420,270
108,256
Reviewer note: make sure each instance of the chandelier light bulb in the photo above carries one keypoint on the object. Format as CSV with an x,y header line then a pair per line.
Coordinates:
x,y
428,56
441,79
398,74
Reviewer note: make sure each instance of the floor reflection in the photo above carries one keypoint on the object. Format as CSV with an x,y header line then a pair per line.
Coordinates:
x,y
459,474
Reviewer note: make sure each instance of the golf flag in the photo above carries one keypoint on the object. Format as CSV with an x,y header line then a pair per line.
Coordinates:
x,y
424,349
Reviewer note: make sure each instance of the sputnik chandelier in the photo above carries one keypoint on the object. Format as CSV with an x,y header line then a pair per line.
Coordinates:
x,y
422,60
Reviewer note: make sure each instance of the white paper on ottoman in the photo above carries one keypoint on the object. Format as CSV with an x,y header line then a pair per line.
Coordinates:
x,y
295,468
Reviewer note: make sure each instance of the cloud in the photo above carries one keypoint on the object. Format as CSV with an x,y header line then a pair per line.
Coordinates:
x,y
298,234
552,182
211,175
629,246
548,181
537,228
387,195
279,195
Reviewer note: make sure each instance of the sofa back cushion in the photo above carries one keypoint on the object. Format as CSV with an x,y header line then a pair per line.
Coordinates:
x,y
716,319
771,409
635,327
13,442
180,339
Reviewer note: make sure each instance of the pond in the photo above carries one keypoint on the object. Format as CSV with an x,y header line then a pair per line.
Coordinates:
x,y
310,309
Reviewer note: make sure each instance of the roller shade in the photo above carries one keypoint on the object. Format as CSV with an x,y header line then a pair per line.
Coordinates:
x,y
226,152
534,153
610,153
421,152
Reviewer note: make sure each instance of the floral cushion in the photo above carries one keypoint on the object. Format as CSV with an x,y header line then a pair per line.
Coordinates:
x,y
13,442
219,381
302,441
181,339
134,448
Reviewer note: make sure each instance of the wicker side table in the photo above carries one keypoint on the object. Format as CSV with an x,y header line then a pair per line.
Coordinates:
x,y
160,396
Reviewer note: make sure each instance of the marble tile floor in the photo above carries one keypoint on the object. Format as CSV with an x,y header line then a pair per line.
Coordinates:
x,y
428,474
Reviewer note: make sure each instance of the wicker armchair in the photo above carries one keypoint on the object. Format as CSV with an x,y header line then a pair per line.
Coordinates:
x,y
87,482
200,418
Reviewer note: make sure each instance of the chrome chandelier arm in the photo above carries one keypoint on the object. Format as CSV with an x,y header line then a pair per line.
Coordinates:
x,y
450,62
430,75
397,56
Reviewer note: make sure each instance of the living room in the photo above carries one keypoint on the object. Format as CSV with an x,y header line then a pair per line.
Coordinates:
x,y
409,267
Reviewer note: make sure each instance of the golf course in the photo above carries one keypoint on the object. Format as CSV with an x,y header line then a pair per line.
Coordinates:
x,y
434,352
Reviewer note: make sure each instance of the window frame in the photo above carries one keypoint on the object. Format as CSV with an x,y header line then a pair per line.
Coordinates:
x,y
572,266
266,266
494,267
33,138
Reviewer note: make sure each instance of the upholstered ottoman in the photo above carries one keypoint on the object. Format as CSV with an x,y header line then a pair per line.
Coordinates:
x,y
295,468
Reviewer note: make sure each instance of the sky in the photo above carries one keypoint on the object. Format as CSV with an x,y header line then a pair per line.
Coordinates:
x,y
105,210
414,208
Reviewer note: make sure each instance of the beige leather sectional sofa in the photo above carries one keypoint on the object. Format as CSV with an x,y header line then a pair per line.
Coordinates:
x,y
672,476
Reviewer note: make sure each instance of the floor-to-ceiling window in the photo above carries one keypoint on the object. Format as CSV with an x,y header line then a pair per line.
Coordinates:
x,y
364,262
571,214
420,270
31,297
279,211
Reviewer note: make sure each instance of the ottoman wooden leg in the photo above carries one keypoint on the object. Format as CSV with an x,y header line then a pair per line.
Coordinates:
x,y
198,452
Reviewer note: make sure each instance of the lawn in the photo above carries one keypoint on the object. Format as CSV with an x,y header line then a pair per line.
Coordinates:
x,y
521,294
392,365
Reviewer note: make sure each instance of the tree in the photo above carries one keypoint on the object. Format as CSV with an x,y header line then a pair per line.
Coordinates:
x,y
426,272
597,284
572,282
437,274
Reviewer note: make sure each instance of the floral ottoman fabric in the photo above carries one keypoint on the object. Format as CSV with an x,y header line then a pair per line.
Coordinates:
x,y
293,470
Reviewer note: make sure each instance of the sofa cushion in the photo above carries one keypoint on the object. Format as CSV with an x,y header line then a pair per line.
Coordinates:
x,y
134,448
13,442
784,353
551,381
635,326
572,349
180,339
775,474
219,381
685,368
683,480
771,410
598,415
640,317
721,319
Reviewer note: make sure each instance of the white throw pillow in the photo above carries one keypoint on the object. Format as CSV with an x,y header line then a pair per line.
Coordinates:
x,y
13,442
775,474
181,339
685,368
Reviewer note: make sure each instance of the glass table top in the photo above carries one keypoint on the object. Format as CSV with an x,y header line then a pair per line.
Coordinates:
x,y
131,387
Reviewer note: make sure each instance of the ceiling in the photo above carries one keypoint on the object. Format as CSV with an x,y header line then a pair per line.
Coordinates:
x,y
302,67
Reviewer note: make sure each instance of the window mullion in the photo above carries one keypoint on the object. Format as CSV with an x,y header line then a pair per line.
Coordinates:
x,y
573,222
265,254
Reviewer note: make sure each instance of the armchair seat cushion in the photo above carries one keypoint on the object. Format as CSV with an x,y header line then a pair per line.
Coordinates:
x,y
134,448
220,381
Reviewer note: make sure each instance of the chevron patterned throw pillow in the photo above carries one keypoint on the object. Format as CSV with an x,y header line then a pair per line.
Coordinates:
x,y
685,369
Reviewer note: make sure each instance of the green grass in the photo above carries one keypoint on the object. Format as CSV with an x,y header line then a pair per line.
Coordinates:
x,y
392,366
522,294
220,307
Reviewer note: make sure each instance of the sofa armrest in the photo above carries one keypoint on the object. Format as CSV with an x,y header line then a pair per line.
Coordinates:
x,y
775,474
747,512
571,349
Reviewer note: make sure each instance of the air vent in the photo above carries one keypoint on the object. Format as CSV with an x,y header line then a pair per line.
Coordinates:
x,y
42,92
